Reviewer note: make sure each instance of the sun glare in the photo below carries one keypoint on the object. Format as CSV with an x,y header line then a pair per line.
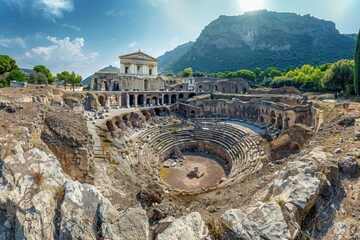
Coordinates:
x,y
251,5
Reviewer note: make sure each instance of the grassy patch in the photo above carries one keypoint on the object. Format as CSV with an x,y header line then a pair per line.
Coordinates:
x,y
216,229
164,173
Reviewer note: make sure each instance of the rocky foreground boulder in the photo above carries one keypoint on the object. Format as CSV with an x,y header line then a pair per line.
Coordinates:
x,y
39,201
288,201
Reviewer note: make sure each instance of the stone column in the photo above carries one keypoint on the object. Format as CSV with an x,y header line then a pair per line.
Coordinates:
x,y
157,102
162,99
107,102
127,100
132,69
119,100
145,100
136,100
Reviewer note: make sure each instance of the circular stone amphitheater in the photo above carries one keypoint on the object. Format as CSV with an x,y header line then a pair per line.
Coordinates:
x,y
198,156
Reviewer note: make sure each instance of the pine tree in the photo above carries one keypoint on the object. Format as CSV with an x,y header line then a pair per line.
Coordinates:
x,y
357,66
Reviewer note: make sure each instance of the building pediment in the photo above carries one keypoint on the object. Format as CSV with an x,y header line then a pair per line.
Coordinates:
x,y
140,56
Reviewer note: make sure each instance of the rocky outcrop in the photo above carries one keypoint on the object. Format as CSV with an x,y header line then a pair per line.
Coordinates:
x,y
67,137
302,186
349,165
264,219
184,228
38,201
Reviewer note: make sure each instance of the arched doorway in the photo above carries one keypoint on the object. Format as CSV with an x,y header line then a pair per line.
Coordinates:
x,y
244,90
166,99
132,100
192,114
173,98
116,86
102,100
181,95
157,111
140,99
154,101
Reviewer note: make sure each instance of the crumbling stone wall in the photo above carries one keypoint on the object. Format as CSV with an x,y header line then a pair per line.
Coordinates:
x,y
67,137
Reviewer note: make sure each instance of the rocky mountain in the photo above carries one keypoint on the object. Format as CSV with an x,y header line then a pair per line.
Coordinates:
x,y
167,60
262,39
109,68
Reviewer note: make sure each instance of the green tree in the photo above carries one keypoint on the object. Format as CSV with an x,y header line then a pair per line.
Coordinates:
x,y
65,77
187,72
7,64
75,79
37,78
71,78
16,75
246,74
42,69
357,66
340,74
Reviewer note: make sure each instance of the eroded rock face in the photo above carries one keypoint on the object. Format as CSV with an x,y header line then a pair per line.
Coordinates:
x,y
131,223
184,228
348,165
39,201
264,220
67,136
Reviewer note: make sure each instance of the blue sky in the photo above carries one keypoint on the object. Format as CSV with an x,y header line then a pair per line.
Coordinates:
x,y
87,35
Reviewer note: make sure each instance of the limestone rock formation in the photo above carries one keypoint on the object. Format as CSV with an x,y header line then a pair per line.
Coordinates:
x,y
289,199
184,228
262,220
67,136
39,201
279,38
349,165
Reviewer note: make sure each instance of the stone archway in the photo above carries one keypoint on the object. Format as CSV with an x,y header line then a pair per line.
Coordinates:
x,y
157,111
181,95
166,99
140,100
154,101
102,100
173,99
132,100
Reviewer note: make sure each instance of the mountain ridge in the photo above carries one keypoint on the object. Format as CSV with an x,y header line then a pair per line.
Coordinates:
x,y
262,39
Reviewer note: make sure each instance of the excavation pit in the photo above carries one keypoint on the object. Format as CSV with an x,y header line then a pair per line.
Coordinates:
x,y
210,165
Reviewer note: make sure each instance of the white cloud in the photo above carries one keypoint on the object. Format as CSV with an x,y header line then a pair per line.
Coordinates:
x,y
60,55
54,8
12,42
76,28
48,8
133,44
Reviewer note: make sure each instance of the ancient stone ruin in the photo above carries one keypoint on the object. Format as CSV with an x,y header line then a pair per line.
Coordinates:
x,y
228,162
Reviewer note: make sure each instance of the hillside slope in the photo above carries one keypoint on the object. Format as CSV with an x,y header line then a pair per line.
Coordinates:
x,y
263,39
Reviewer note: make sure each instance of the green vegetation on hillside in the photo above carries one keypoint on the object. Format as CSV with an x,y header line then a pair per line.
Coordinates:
x,y
357,66
261,39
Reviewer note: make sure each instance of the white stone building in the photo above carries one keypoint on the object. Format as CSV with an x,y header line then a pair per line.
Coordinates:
x,y
139,64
